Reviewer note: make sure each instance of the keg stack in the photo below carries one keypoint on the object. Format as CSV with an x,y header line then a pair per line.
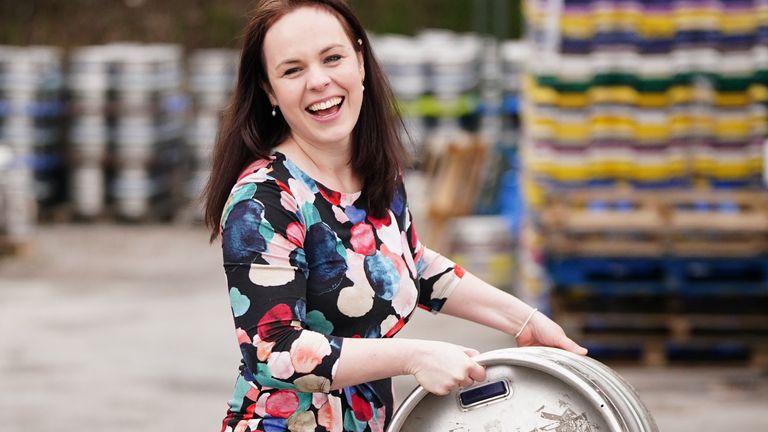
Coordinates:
x,y
405,64
435,77
644,131
127,129
454,79
18,209
212,77
500,126
30,139
513,56
651,94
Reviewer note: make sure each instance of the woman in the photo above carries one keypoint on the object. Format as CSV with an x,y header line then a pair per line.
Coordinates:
x,y
322,260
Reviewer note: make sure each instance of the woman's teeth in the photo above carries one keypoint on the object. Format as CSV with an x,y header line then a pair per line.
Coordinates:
x,y
325,105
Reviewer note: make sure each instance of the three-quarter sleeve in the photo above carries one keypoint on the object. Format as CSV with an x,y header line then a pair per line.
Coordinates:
x,y
263,246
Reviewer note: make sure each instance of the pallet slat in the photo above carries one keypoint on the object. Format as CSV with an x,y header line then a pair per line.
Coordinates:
x,y
659,339
641,223
689,276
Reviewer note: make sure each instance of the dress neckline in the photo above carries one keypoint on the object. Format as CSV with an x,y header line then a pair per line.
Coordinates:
x,y
328,193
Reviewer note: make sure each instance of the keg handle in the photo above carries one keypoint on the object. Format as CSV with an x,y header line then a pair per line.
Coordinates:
x,y
484,394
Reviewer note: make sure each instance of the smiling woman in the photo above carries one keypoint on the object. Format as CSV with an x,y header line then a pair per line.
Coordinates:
x,y
316,79
322,260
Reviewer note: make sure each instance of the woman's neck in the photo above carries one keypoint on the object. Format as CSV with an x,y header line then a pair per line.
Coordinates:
x,y
331,167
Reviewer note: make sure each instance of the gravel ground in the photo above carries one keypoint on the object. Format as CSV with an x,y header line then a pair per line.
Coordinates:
x,y
127,328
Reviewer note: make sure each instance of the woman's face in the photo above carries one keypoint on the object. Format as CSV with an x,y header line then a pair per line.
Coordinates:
x,y
315,76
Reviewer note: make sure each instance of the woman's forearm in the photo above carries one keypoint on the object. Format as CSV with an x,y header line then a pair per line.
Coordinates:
x,y
364,360
438,366
477,301
480,302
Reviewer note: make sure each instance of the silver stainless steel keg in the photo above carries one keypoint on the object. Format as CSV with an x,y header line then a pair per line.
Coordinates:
x,y
532,389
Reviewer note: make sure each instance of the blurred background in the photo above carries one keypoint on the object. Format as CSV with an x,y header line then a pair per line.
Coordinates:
x,y
603,160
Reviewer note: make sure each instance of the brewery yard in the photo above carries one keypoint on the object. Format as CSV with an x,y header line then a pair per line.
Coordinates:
x,y
127,328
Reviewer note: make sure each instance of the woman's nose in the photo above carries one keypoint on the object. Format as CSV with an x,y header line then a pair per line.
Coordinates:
x,y
317,79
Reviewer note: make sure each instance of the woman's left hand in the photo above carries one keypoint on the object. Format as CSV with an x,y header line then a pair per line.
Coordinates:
x,y
542,331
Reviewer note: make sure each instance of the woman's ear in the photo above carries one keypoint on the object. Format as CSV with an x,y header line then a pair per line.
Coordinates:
x,y
362,65
268,90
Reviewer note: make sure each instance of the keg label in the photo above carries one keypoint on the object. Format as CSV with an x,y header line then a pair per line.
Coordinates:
x,y
568,421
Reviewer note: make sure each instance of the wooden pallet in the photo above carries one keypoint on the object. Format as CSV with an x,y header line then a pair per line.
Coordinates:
x,y
618,243
685,276
625,222
644,302
658,353
600,211
658,339
718,211
455,170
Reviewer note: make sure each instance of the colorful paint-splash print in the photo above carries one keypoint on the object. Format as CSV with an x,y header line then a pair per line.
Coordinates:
x,y
306,268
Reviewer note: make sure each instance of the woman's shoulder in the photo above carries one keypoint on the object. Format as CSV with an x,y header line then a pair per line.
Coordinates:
x,y
259,184
257,171
256,176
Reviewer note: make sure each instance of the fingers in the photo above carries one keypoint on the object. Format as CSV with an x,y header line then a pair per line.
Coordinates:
x,y
471,352
570,345
466,382
477,372
548,333
447,367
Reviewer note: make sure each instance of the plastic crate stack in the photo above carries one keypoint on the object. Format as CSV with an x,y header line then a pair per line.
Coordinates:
x,y
212,77
30,139
644,125
126,137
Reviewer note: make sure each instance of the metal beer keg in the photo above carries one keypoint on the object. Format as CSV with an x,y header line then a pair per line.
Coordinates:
x,y
531,389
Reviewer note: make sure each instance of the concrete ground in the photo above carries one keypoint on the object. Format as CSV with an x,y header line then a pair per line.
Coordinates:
x,y
128,328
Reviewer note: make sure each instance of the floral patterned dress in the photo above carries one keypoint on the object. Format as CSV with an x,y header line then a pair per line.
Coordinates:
x,y
306,268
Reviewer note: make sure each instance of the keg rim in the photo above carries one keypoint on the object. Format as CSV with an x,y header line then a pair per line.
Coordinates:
x,y
604,389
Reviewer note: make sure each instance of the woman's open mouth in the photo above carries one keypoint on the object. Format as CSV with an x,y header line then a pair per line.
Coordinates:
x,y
326,108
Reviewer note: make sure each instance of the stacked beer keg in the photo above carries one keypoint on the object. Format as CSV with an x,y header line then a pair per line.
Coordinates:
x,y
435,76
18,209
30,121
128,121
405,65
653,94
454,78
89,81
212,76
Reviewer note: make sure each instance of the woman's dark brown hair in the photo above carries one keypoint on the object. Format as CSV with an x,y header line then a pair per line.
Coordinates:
x,y
249,131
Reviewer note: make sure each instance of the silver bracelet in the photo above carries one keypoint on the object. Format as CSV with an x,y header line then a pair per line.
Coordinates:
x,y
525,323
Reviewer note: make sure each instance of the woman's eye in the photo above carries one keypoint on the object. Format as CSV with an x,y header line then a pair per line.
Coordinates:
x,y
291,71
332,58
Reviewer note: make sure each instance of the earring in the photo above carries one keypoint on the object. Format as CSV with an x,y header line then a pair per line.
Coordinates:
x,y
274,112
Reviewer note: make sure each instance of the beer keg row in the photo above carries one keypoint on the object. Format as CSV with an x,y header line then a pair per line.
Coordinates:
x,y
125,130
694,114
118,130
648,26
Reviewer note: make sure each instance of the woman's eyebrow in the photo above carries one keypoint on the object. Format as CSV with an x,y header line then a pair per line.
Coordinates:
x,y
323,51
330,47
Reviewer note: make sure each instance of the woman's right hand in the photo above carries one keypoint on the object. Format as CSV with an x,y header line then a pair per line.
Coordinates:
x,y
442,367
